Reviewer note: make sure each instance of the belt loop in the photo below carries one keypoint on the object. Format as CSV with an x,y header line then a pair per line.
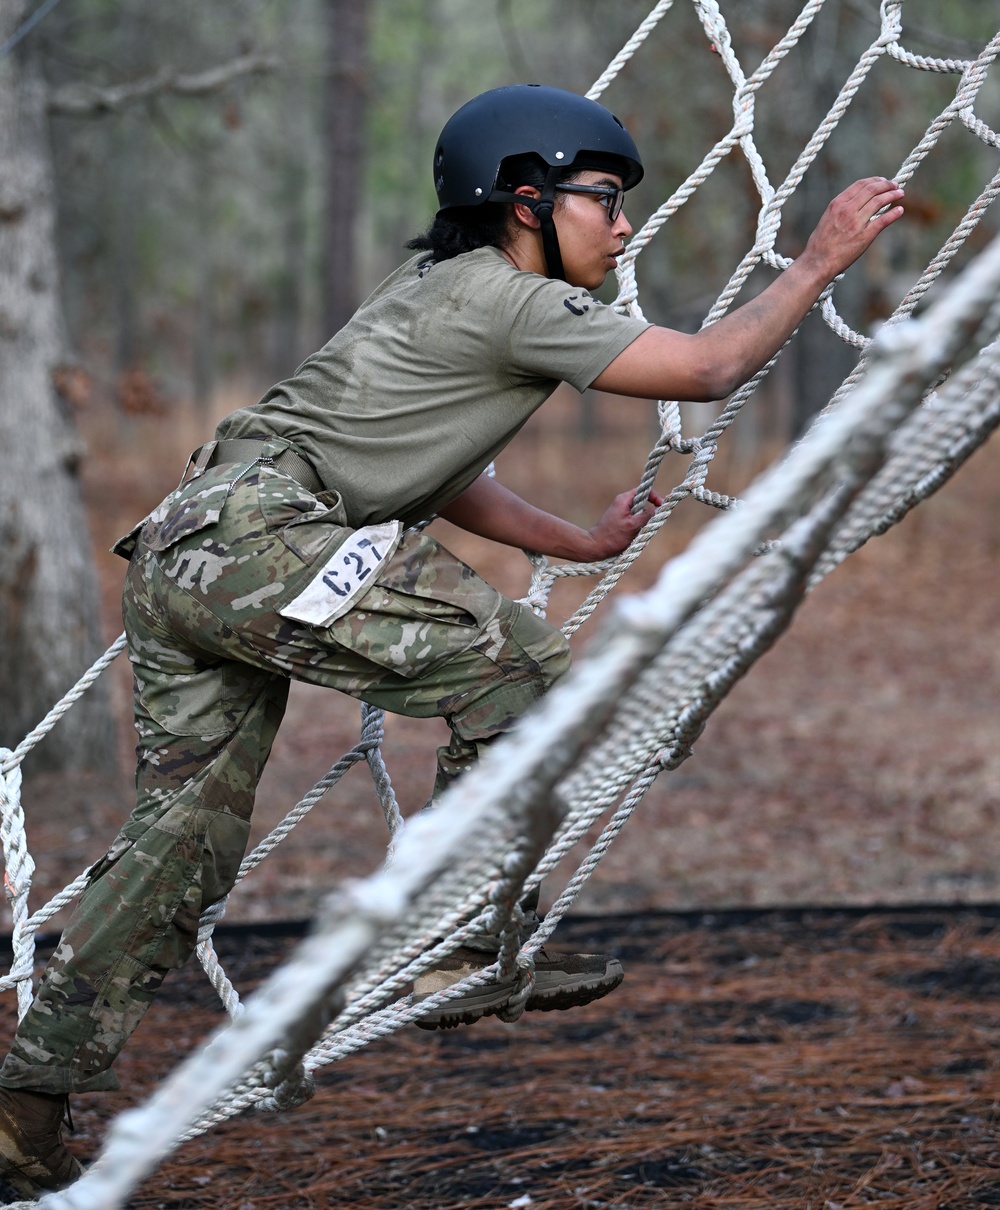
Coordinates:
x,y
254,451
200,459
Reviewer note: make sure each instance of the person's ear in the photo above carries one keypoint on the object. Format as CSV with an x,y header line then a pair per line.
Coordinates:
x,y
525,214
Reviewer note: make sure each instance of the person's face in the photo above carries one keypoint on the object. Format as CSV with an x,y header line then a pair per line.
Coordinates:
x,y
590,239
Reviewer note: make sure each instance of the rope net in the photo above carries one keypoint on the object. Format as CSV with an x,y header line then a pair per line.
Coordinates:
x,y
925,393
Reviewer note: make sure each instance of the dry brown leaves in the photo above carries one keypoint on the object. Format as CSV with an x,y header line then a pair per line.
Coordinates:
x,y
783,1059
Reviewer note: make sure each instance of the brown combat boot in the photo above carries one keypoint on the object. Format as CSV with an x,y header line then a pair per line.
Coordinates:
x,y
33,1158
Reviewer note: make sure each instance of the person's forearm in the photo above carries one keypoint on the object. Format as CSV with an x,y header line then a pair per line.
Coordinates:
x,y
665,364
489,509
744,341
747,339
715,361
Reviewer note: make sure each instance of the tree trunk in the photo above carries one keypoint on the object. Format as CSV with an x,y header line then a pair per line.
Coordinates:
x,y
49,620
287,348
348,25
820,360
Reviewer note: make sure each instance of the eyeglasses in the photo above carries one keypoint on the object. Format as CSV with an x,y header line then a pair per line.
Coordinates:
x,y
611,197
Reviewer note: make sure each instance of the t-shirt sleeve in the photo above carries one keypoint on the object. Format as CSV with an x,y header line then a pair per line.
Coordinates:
x,y
561,331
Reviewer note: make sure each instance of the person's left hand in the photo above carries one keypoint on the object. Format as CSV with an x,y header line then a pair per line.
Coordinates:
x,y
619,525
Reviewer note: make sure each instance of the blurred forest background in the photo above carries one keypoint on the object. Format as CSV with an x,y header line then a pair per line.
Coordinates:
x,y
228,181
226,235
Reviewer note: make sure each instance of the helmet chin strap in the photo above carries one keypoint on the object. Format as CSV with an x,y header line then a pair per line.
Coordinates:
x,y
542,208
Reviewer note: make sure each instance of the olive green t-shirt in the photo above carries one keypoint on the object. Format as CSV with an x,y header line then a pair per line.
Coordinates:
x,y
431,378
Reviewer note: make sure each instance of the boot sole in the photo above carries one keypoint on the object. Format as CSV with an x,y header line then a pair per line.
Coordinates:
x,y
574,994
465,1010
553,991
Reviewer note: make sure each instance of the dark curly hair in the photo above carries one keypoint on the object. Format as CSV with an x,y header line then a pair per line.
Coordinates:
x,y
466,228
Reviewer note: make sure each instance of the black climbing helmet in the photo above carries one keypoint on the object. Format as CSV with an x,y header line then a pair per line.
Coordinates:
x,y
562,128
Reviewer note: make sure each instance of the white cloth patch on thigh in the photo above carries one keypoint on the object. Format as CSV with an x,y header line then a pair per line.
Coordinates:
x,y
350,571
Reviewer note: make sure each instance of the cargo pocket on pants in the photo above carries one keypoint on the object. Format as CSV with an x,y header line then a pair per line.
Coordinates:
x,y
426,607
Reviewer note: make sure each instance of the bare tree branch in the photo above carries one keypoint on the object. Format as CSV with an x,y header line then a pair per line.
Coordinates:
x,y
85,100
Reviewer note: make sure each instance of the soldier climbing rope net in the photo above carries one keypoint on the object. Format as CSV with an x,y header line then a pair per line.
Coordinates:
x,y
925,393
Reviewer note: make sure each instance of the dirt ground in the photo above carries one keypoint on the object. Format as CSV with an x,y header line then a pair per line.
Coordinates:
x,y
804,908
780,1060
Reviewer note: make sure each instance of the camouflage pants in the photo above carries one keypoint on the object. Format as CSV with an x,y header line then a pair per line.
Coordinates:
x,y
212,657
